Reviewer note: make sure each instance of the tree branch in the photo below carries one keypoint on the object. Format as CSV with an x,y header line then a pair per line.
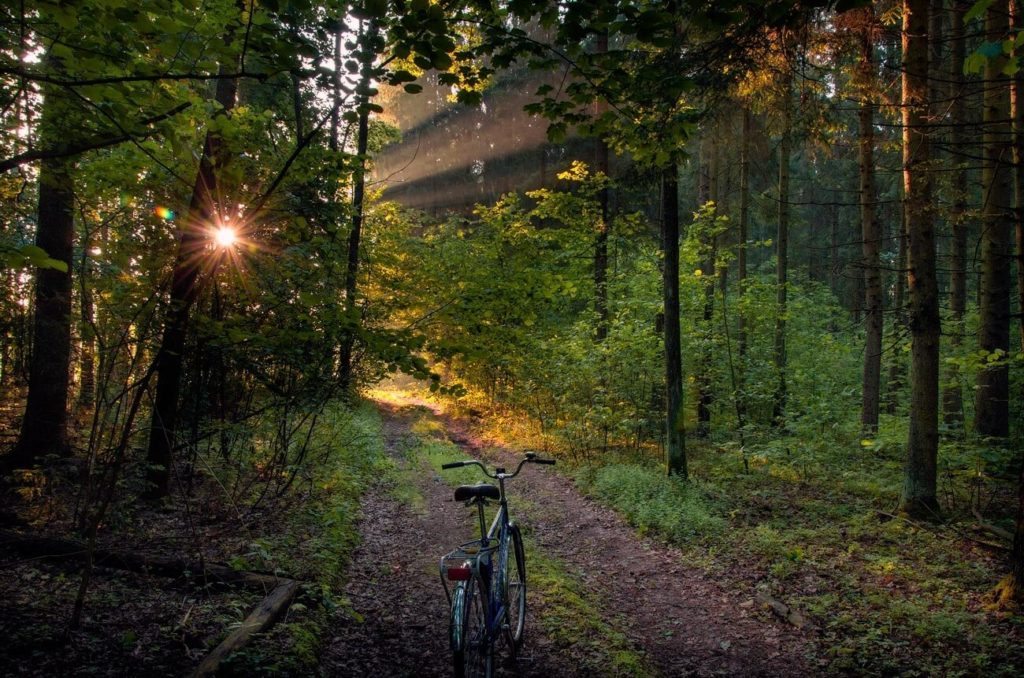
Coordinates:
x,y
89,145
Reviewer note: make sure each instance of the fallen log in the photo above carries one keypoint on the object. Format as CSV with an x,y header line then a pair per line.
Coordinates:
x,y
41,546
992,529
260,619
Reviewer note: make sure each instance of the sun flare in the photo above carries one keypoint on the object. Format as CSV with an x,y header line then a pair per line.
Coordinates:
x,y
225,236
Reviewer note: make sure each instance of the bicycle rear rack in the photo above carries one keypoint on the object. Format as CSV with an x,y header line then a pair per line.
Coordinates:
x,y
463,562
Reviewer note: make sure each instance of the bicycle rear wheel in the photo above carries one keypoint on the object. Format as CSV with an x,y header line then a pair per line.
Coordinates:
x,y
471,648
515,580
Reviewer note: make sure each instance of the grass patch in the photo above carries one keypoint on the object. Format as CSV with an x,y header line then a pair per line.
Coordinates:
x,y
653,503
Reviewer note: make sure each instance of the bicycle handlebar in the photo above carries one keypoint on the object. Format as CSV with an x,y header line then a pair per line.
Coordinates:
x,y
531,457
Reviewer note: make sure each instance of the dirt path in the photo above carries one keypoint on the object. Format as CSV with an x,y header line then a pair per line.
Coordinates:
x,y
686,623
400,624
682,622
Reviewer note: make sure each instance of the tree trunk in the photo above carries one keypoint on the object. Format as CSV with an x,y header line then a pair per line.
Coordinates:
x,y
871,234
193,238
919,485
87,359
897,370
332,143
992,399
705,394
1012,587
952,396
675,443
782,256
44,426
741,261
368,56
601,238
1017,93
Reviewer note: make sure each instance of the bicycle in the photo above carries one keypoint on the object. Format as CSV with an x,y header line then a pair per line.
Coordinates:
x,y
488,576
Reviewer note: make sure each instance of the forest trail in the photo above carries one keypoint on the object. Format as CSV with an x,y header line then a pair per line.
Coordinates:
x,y
673,616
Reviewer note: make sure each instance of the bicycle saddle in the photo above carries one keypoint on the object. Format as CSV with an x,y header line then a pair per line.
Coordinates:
x,y
481,490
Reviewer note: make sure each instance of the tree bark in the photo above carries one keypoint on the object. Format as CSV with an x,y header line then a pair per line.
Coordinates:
x,y
44,426
675,443
368,56
992,398
782,256
1011,589
741,261
919,485
705,394
871,234
87,357
193,239
897,370
952,396
601,238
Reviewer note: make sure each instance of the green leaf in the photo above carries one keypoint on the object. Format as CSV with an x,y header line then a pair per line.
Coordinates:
x,y
979,8
413,88
441,61
975,63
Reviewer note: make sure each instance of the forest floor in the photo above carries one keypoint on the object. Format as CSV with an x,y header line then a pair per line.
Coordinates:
x,y
629,572
602,600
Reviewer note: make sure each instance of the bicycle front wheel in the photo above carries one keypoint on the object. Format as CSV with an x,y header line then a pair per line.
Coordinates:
x,y
515,578
471,646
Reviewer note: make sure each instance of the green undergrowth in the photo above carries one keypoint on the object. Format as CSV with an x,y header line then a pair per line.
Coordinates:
x,y
316,545
811,520
654,503
568,613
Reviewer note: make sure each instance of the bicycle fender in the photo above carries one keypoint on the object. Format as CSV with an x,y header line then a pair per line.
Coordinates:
x,y
456,625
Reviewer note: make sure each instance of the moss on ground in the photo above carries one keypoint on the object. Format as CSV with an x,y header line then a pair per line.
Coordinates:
x,y
572,618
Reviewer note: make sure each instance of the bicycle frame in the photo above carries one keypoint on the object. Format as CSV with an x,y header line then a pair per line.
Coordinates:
x,y
492,557
485,561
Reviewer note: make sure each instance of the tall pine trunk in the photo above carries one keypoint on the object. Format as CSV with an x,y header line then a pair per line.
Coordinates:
x,y
741,263
782,255
1017,94
87,357
871,234
705,394
992,398
918,498
675,443
601,238
1011,589
44,426
952,395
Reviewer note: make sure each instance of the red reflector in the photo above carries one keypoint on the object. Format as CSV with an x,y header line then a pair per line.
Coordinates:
x,y
459,573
